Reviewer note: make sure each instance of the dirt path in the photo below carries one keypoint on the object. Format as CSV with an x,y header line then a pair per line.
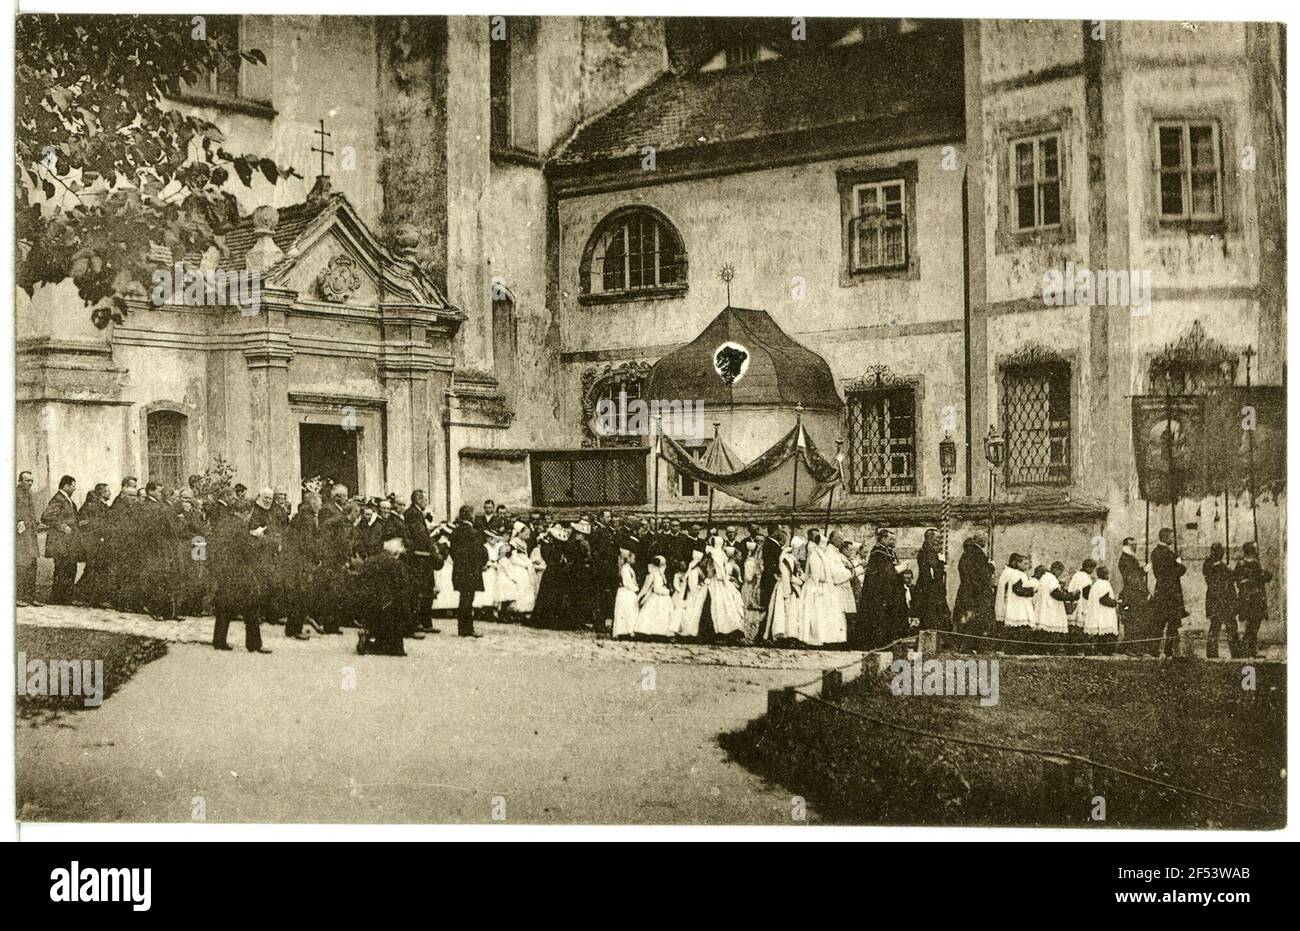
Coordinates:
x,y
538,726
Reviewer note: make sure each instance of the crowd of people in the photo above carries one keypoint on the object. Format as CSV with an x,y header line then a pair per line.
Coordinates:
x,y
386,565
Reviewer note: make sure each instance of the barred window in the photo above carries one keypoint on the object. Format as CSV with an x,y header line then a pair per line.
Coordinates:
x,y
166,447
1036,414
1036,181
1190,172
588,477
882,441
633,250
879,226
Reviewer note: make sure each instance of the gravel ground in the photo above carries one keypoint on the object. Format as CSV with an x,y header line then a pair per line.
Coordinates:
x,y
521,726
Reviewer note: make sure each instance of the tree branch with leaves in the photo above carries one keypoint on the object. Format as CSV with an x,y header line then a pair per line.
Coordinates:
x,y
108,169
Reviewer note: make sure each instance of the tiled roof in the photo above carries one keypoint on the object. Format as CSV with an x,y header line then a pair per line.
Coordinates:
x,y
866,85
294,219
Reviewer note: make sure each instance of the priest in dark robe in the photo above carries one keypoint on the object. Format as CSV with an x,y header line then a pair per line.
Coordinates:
x,y
973,609
882,609
931,590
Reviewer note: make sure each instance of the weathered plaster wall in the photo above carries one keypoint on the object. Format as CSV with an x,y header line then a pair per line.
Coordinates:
x,y
780,228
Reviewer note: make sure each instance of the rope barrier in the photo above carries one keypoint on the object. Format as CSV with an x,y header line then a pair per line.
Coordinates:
x,y
1048,643
1034,751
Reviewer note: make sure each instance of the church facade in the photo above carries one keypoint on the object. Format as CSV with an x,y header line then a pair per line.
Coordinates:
x,y
1006,227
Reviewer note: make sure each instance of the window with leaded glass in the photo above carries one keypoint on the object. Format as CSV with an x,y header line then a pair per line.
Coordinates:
x,y
1036,415
879,225
882,441
1190,173
166,447
634,251
1036,181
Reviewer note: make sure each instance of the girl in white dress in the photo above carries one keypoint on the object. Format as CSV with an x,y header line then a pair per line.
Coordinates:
x,y
679,598
726,607
783,612
1102,616
655,618
519,569
625,611
696,593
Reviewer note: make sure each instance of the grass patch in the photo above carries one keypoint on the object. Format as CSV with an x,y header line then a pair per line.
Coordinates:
x,y
1181,721
122,655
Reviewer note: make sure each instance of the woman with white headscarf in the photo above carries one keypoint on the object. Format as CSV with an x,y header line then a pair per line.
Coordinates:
x,y
783,612
655,618
688,621
726,607
823,619
518,569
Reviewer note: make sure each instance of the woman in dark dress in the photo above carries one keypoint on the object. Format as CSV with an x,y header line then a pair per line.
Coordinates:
x,y
550,608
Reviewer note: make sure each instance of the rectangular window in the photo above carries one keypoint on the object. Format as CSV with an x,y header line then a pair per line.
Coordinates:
x,y
1036,181
1036,414
688,487
879,225
1191,180
882,441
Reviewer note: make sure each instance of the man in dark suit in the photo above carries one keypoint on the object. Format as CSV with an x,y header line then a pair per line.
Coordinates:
x,y
232,551
1167,600
92,524
28,545
61,542
332,509
420,560
301,558
468,559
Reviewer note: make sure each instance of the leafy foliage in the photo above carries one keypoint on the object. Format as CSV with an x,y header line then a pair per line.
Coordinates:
x,y
107,168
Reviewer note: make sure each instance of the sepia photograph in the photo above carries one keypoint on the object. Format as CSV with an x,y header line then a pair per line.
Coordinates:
x,y
460,417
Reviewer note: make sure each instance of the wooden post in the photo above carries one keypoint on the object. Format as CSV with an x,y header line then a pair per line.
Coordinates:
x,y
1057,792
780,700
832,682
928,641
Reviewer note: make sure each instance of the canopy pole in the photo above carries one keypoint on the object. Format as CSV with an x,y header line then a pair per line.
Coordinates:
x,y
709,523
1250,450
794,494
658,440
1169,451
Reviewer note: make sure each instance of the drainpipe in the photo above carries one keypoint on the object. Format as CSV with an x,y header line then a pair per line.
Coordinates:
x,y
965,280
